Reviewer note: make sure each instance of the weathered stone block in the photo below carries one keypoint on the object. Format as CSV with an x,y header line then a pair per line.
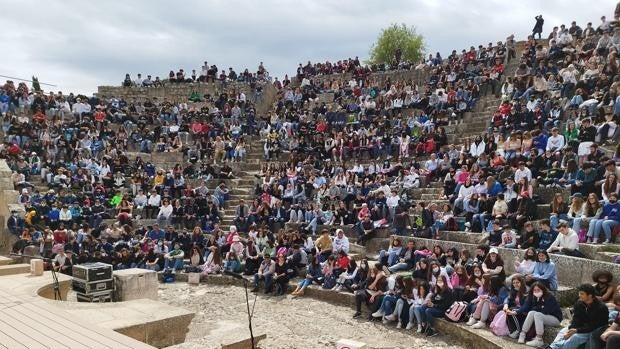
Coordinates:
x,y
135,284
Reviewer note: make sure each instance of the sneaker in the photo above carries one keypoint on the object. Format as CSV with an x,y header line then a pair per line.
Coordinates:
x,y
607,242
378,313
399,325
385,321
536,342
409,326
431,332
514,335
521,338
391,317
479,324
419,329
471,321
357,314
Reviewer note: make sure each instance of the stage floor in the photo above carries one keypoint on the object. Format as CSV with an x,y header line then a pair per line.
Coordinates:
x,y
30,321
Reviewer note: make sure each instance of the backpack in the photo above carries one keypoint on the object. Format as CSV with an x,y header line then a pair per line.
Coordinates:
x,y
456,312
498,326
451,224
168,277
329,282
583,235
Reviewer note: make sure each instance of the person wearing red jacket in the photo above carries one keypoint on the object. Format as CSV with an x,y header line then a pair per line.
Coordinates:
x,y
341,263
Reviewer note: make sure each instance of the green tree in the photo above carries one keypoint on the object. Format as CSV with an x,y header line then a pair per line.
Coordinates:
x,y
394,38
35,84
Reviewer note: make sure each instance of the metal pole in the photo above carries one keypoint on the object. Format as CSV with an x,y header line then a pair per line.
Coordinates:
x,y
247,303
14,78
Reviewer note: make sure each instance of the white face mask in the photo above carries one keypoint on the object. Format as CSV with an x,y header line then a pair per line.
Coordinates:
x,y
477,274
538,294
435,270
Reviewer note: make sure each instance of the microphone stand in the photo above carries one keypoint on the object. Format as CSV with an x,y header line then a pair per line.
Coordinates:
x,y
250,314
247,302
57,294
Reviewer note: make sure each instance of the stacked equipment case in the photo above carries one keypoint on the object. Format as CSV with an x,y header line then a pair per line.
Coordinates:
x,y
93,282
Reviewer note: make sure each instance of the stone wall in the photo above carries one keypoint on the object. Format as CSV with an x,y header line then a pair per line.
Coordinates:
x,y
8,202
181,92
419,77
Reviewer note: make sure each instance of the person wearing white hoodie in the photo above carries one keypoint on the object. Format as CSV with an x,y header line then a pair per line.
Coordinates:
x,y
341,242
567,242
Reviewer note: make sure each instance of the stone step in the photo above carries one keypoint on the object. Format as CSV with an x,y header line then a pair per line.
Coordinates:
x,y
607,256
5,260
12,269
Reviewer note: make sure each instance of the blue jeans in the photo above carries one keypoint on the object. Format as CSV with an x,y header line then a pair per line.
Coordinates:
x,y
304,283
314,223
415,311
268,281
399,267
231,265
574,342
606,225
480,217
392,257
177,263
388,303
554,220
428,315
146,146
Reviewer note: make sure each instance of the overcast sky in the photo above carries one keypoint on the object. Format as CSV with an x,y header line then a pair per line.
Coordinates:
x,y
79,45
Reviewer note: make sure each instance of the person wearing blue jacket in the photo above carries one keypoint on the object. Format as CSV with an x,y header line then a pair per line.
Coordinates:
x,y
609,218
542,310
544,271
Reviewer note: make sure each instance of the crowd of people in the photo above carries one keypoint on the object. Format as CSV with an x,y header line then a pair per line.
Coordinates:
x,y
352,162
207,73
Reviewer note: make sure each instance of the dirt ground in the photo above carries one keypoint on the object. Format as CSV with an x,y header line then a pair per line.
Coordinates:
x,y
289,323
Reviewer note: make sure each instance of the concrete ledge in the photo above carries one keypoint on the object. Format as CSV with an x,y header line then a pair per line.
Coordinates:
x,y
146,320
12,269
484,338
5,260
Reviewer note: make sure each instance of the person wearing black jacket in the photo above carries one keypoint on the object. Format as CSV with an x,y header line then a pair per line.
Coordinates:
x,y
526,210
530,238
280,275
440,301
278,216
590,317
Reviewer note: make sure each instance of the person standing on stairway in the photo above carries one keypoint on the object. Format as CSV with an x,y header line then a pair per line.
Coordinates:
x,y
538,27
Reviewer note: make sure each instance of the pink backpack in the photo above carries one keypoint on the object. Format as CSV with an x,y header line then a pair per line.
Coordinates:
x,y
498,325
456,312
